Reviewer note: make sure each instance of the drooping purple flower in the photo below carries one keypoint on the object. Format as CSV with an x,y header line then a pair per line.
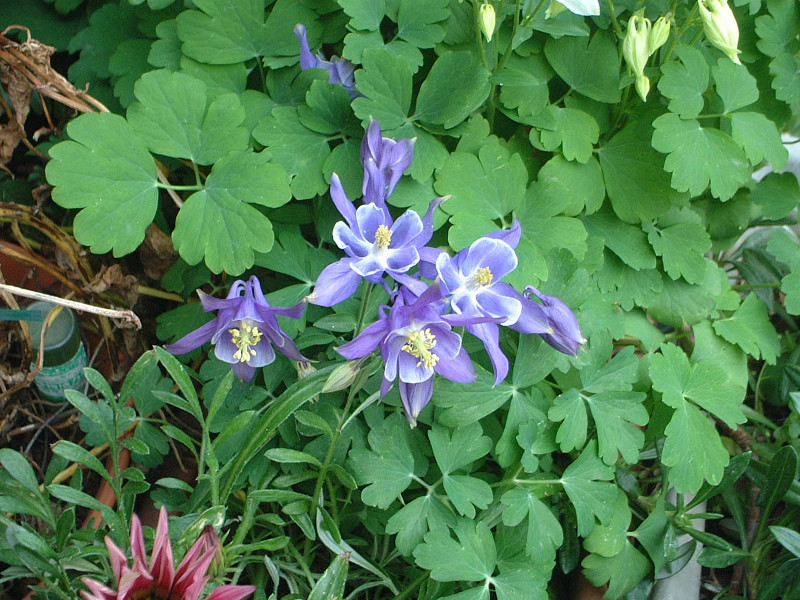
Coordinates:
x,y
471,278
416,342
385,160
341,70
374,243
562,330
244,331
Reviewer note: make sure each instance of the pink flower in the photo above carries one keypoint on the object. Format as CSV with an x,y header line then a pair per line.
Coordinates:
x,y
159,580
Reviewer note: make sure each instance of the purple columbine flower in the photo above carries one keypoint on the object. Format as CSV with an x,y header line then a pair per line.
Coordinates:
x,y
375,244
561,330
385,160
416,342
244,330
341,70
472,280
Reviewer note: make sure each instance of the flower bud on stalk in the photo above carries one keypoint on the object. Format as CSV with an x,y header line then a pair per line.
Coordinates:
x,y
659,34
486,18
635,51
720,27
342,377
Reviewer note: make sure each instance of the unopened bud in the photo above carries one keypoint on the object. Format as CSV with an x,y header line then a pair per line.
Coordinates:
x,y
659,34
634,49
342,377
720,27
486,20
643,87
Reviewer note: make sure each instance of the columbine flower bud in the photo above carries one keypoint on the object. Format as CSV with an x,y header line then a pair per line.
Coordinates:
x,y
486,18
342,377
659,34
634,49
304,369
720,26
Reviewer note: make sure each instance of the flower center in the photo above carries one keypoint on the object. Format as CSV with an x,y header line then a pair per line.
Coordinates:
x,y
244,338
481,278
419,344
383,237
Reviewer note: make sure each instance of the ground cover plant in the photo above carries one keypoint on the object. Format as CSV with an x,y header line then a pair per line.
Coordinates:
x,y
460,299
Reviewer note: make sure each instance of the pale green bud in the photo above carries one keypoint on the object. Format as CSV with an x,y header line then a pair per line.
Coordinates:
x,y
554,9
720,27
643,86
659,34
634,46
342,377
304,369
487,20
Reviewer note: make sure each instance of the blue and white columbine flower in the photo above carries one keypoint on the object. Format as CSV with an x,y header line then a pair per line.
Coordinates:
x,y
244,330
340,70
416,343
375,245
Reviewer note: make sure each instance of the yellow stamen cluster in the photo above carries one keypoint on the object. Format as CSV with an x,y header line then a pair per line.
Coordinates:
x,y
383,237
484,276
244,339
419,344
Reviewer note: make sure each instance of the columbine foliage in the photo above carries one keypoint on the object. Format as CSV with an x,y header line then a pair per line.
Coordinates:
x,y
543,273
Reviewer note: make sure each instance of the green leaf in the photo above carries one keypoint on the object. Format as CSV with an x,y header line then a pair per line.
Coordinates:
x,y
685,82
544,531
703,383
609,540
388,466
759,138
690,429
782,473
735,85
617,374
681,303
569,408
364,14
628,242
467,493
681,247
573,130
216,224
78,454
468,404
171,116
589,67
698,157
616,416
540,236
302,152
652,534
292,255
108,172
788,538
385,81
415,519
750,329
521,584
466,445
584,482
358,42
777,195
786,83
420,27
566,187
445,99
632,171
622,572
490,185
523,83
472,558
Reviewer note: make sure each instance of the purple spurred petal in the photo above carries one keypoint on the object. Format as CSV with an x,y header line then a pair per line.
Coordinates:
x,y
365,343
401,260
509,236
307,59
427,222
369,217
499,300
532,319
489,334
195,339
351,242
415,397
495,255
342,202
335,284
